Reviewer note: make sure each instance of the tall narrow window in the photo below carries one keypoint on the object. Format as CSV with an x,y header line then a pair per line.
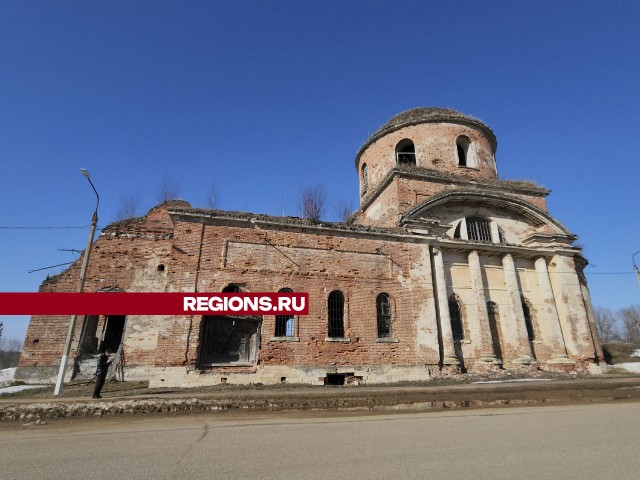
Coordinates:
x,y
365,178
335,308
285,324
528,321
462,147
406,153
383,308
456,319
479,229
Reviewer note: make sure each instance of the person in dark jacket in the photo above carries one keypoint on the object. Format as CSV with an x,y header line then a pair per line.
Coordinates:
x,y
104,360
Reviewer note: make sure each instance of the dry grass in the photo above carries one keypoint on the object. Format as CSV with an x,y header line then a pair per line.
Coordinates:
x,y
618,352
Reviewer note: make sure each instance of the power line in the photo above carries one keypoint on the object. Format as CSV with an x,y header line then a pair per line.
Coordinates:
x,y
608,273
84,227
52,266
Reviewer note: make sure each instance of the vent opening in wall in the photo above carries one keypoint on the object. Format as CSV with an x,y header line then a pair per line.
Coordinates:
x,y
335,378
161,268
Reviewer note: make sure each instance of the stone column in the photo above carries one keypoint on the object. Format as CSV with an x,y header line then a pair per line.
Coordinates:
x,y
448,350
477,290
523,349
549,313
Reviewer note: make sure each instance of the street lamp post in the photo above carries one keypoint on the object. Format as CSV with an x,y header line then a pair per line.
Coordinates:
x,y
83,273
635,267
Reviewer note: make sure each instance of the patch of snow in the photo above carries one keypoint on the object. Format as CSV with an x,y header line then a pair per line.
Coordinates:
x,y
6,376
519,380
18,388
632,367
636,353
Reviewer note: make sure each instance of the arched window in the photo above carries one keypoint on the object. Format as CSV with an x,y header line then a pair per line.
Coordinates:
x,y
479,229
406,153
456,232
335,309
462,147
365,178
285,324
528,321
383,309
501,236
456,319
232,288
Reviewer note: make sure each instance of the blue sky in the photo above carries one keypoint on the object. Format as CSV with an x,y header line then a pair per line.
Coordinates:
x,y
261,98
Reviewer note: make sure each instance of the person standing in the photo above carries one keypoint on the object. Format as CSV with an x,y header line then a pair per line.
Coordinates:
x,y
104,360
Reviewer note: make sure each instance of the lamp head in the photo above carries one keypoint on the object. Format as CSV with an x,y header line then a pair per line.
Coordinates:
x,y
84,172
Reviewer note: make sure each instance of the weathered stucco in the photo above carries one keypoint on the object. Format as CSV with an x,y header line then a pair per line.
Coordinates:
x,y
521,301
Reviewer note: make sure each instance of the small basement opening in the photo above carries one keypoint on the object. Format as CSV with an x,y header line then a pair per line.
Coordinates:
x,y
335,378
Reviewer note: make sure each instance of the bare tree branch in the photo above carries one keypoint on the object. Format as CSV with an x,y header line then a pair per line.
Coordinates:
x,y
606,324
312,202
344,210
631,323
169,190
212,198
129,207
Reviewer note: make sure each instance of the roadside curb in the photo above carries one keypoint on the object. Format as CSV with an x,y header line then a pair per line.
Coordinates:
x,y
348,399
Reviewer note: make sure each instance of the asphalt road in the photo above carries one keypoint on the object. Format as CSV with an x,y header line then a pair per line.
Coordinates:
x,y
570,442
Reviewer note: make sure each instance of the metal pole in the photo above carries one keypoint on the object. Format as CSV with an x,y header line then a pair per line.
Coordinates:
x,y
83,273
635,267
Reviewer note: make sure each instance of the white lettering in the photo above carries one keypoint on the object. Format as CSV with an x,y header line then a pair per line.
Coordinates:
x,y
189,304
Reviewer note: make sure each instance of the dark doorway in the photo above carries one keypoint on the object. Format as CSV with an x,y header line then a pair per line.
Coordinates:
x,y
113,330
228,340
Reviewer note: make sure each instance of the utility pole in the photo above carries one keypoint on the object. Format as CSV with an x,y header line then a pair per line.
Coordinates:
x,y
635,267
83,273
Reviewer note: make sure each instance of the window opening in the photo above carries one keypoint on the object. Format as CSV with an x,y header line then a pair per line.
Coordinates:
x,y
462,147
406,153
528,321
456,320
285,324
494,327
335,309
479,229
383,307
456,233
365,178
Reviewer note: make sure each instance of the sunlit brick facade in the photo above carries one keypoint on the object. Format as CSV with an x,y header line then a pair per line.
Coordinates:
x,y
444,269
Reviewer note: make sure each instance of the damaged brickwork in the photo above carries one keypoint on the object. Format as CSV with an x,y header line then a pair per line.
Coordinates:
x,y
475,273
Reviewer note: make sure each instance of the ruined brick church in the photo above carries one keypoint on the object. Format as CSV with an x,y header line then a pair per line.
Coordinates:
x,y
444,269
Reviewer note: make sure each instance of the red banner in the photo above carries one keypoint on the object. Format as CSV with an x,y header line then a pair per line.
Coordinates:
x,y
119,303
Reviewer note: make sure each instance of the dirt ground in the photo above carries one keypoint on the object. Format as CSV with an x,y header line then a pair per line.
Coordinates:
x,y
128,398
